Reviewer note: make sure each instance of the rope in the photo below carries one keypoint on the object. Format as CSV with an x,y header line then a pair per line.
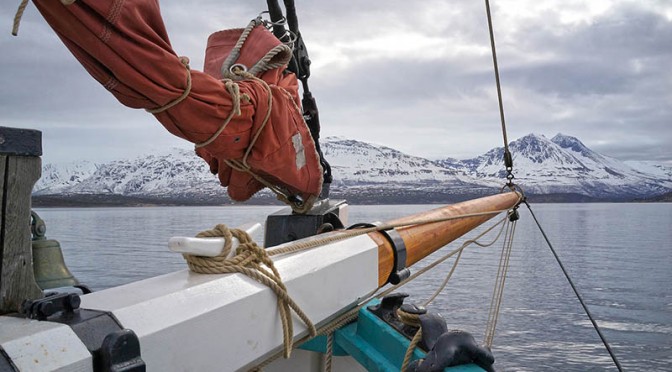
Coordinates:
x,y
234,92
576,292
412,320
17,17
185,94
21,10
457,259
500,279
508,159
235,52
232,72
254,262
329,354
260,66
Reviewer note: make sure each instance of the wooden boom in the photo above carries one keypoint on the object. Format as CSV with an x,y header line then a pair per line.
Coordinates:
x,y
424,239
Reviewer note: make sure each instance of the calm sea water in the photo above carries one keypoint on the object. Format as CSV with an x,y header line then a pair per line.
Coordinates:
x,y
619,255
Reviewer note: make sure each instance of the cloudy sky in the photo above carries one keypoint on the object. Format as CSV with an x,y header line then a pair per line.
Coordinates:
x,y
415,76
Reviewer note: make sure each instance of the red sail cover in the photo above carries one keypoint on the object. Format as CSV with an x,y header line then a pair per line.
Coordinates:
x,y
123,44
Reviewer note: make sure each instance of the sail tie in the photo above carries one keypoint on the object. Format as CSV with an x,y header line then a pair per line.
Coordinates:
x,y
232,72
185,62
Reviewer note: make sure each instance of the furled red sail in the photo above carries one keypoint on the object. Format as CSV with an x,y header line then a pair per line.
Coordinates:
x,y
123,44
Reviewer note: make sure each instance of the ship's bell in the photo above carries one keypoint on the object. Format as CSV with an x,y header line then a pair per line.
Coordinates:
x,y
48,263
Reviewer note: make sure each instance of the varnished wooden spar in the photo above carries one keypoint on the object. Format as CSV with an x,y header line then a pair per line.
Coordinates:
x,y
422,240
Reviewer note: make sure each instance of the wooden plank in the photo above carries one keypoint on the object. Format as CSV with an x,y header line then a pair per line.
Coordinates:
x,y
19,141
17,281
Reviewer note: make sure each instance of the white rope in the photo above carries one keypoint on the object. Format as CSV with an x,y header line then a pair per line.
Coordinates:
x,y
500,280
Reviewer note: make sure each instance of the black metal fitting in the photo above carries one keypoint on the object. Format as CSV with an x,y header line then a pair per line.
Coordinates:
x,y
120,352
113,348
285,226
400,271
386,310
53,303
514,215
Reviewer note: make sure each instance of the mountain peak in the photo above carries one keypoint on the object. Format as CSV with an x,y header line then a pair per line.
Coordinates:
x,y
570,143
531,140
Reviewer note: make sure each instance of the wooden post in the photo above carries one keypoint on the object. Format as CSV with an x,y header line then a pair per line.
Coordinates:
x,y
20,168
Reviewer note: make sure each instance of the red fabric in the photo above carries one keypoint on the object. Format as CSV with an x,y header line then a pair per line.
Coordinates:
x,y
123,44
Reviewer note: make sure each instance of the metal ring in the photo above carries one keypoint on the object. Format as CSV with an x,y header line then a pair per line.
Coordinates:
x,y
237,67
281,22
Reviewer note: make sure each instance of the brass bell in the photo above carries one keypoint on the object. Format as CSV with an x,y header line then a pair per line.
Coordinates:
x,y
48,262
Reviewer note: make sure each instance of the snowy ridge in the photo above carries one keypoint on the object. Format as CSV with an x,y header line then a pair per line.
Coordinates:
x,y
541,166
57,179
178,172
358,163
564,164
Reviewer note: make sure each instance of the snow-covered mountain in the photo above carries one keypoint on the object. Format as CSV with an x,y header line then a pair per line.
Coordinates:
x,y
560,165
361,164
564,164
176,173
56,179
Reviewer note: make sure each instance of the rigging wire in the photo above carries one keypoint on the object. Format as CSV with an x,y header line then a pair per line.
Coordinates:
x,y
457,260
576,291
500,280
508,159
508,163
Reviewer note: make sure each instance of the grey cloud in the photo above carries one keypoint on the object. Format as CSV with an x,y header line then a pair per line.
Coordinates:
x,y
606,82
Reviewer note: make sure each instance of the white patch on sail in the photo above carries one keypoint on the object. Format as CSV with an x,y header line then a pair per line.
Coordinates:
x,y
300,151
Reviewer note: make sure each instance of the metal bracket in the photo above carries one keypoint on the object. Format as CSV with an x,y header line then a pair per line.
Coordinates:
x,y
400,271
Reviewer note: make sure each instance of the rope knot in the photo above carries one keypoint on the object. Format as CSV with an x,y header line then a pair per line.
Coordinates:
x,y
253,261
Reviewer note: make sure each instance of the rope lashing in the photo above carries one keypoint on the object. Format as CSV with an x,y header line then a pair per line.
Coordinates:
x,y
231,73
241,165
21,9
254,262
234,91
185,62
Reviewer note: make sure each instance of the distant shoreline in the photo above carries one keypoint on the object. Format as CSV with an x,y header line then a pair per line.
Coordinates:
x,y
369,198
